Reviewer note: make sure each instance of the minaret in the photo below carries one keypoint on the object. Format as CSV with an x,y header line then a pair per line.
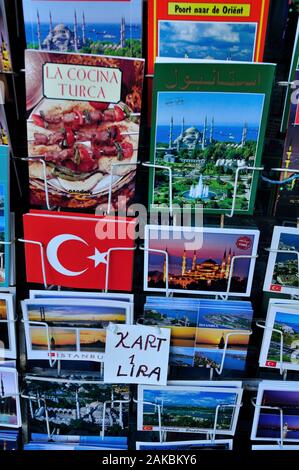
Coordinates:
x,y
184,263
223,266
194,259
123,32
212,131
42,313
50,23
228,263
183,127
39,36
244,134
78,414
204,134
170,133
76,33
83,29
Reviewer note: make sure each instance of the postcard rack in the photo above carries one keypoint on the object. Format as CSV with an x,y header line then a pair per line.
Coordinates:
x,y
210,436
261,324
112,174
276,408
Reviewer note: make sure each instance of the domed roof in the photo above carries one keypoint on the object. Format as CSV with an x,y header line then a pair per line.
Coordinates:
x,y
191,130
61,28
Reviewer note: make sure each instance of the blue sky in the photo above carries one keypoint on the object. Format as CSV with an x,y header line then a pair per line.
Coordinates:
x,y
207,40
288,319
190,398
63,11
228,109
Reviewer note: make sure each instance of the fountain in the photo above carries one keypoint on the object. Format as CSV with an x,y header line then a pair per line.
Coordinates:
x,y
199,191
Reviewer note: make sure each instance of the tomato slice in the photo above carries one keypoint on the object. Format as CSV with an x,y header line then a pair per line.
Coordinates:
x,y
70,138
80,117
119,114
99,106
127,149
38,120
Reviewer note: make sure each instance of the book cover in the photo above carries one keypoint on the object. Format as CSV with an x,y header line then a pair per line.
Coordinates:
x,y
77,251
83,121
207,30
5,54
4,217
112,27
208,126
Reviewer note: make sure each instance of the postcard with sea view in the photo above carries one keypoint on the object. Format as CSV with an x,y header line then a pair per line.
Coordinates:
x,y
199,329
77,409
267,421
284,318
7,328
112,27
201,261
209,123
4,217
10,412
282,269
70,329
188,409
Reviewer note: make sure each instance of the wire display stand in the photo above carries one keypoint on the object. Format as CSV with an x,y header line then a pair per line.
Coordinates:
x,y
120,403
113,166
238,170
165,253
169,170
260,324
218,407
219,369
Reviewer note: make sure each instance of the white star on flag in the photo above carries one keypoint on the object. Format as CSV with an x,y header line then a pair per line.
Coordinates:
x,y
98,257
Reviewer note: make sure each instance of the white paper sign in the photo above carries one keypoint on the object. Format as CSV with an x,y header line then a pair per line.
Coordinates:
x,y
136,354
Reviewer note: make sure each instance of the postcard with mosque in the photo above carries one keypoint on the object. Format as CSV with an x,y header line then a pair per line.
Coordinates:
x,y
207,30
82,411
194,260
70,329
208,127
109,27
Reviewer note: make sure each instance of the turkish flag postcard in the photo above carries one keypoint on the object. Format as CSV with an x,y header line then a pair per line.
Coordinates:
x,y
77,250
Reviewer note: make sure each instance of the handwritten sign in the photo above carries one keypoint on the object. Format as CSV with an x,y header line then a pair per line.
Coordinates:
x,y
136,354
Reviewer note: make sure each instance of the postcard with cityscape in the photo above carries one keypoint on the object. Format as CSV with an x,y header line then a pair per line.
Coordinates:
x,y
7,328
195,32
283,262
188,409
284,318
70,329
220,444
208,127
83,408
4,217
10,412
201,261
9,439
267,422
199,329
112,27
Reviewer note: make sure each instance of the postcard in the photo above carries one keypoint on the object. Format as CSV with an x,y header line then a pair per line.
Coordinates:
x,y
200,260
111,442
5,226
276,412
10,411
7,327
50,294
83,118
292,76
5,54
9,439
188,409
71,329
93,240
199,328
283,262
78,407
283,318
111,27
219,444
208,126
207,30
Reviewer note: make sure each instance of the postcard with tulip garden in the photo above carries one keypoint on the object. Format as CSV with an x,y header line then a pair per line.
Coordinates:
x,y
209,121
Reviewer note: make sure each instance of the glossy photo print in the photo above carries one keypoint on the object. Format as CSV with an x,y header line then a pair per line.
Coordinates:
x,y
283,262
188,409
269,422
10,412
111,27
71,329
7,327
200,260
